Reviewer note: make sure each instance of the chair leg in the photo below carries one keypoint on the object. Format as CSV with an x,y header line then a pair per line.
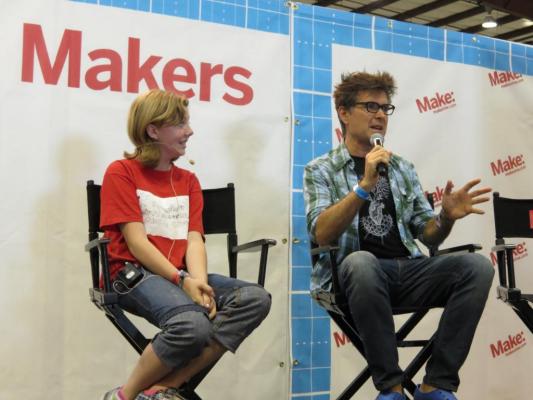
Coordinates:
x,y
414,366
189,394
187,389
525,312
127,329
355,385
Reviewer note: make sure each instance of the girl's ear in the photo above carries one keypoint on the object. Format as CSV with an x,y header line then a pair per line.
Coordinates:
x,y
151,130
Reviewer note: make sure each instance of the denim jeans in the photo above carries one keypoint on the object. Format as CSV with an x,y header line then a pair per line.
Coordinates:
x,y
185,326
460,283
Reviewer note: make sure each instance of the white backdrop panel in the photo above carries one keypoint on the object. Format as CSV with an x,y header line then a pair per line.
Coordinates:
x,y
54,137
482,123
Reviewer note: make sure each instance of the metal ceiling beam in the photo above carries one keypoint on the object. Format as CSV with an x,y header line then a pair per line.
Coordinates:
x,y
373,6
520,8
516,33
527,39
457,17
325,3
422,9
501,21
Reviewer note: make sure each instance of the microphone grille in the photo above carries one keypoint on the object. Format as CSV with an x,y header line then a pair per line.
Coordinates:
x,y
377,139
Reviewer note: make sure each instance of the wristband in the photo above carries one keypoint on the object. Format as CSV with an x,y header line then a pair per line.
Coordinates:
x,y
175,278
361,193
182,274
438,219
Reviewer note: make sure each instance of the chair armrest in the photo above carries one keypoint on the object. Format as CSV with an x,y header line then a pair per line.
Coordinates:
x,y
253,246
101,298
509,294
96,243
261,244
502,247
334,302
98,249
470,248
323,249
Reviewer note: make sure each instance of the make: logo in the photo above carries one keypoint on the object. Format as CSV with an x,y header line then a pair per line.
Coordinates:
x,y
437,196
437,103
508,166
340,339
508,346
519,252
504,79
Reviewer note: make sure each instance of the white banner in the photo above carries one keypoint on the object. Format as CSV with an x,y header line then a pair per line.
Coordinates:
x,y
458,122
69,74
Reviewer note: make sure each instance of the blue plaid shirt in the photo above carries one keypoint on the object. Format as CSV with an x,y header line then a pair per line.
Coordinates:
x,y
331,177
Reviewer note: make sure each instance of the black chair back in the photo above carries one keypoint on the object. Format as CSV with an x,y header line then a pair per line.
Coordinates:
x,y
93,209
219,210
512,217
93,203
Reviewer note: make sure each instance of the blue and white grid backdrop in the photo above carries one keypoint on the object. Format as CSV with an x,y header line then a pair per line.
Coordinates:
x,y
315,31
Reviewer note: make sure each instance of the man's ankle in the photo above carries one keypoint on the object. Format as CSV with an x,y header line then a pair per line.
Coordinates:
x,y
425,388
397,389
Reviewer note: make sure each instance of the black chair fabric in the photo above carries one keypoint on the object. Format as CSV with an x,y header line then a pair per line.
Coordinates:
x,y
219,210
218,218
513,218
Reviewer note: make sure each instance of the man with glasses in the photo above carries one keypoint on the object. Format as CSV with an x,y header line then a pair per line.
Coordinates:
x,y
374,219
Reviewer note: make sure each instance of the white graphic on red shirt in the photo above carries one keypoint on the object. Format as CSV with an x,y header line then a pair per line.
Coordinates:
x,y
167,217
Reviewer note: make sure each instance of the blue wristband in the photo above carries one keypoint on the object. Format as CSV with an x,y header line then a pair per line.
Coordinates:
x,y
361,193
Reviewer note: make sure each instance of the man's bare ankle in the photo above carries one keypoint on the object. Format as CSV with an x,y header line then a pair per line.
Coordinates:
x,y
425,388
397,389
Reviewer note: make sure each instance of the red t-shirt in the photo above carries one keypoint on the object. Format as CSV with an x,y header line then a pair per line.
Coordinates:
x,y
168,203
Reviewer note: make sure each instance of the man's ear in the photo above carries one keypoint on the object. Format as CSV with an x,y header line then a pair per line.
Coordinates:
x,y
343,114
151,130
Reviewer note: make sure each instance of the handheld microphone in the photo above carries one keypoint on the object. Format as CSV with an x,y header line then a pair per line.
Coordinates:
x,y
377,139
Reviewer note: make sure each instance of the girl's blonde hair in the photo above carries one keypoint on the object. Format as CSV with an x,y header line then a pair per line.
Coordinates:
x,y
157,107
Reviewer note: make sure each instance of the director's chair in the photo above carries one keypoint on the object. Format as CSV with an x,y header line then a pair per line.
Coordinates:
x,y
218,218
513,218
335,303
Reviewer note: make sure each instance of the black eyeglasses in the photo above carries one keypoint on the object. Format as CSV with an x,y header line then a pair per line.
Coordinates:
x,y
373,107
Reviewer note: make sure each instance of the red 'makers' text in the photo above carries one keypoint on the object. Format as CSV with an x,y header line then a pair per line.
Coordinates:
x,y
107,69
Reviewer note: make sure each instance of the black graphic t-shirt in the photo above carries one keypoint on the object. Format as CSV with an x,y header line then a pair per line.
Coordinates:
x,y
378,231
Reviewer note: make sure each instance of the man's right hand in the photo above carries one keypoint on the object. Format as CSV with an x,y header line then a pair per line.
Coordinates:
x,y
377,155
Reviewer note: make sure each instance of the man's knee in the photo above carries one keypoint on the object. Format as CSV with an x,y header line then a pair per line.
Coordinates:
x,y
479,266
360,266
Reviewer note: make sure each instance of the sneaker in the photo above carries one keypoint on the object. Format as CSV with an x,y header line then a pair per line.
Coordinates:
x,y
166,394
391,396
112,395
437,394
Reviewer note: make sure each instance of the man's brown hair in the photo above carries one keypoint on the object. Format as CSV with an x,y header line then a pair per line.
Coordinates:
x,y
352,84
